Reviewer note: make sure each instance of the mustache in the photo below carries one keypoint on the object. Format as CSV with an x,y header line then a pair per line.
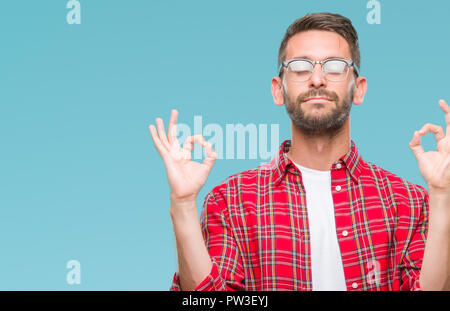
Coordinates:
x,y
315,93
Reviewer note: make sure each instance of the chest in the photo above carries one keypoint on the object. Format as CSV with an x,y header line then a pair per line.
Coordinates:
x,y
273,230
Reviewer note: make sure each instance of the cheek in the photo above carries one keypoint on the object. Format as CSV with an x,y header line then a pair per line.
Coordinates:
x,y
293,91
351,89
344,92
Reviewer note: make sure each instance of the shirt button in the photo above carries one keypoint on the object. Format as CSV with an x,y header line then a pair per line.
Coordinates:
x,y
338,166
345,233
355,285
338,188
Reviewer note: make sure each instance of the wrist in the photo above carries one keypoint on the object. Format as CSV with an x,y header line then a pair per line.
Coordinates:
x,y
183,209
439,201
441,192
185,199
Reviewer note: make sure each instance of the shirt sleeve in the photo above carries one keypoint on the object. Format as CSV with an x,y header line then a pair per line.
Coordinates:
x,y
412,259
227,272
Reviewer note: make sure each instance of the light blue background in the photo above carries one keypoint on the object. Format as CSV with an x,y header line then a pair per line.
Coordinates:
x,y
80,178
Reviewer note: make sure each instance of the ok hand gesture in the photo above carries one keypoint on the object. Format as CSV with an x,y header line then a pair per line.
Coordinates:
x,y
186,177
435,165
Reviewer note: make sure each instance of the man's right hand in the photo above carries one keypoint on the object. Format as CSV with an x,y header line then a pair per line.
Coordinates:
x,y
186,177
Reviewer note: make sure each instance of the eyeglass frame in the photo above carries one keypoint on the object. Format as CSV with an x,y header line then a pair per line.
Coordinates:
x,y
350,63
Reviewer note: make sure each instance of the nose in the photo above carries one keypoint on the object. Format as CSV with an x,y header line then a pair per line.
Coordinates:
x,y
317,79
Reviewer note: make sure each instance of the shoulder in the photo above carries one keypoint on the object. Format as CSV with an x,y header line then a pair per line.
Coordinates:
x,y
247,178
398,186
246,181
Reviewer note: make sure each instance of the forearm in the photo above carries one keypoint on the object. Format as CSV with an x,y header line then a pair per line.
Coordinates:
x,y
435,272
194,262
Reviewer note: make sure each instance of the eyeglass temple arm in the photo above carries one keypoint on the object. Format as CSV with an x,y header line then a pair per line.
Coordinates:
x,y
353,64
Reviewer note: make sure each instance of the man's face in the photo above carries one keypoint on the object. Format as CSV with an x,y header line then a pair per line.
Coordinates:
x,y
318,117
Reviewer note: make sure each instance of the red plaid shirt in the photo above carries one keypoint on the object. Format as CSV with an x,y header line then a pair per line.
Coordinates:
x,y
255,226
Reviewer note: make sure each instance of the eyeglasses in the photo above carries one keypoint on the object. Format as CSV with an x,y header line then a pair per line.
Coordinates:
x,y
301,70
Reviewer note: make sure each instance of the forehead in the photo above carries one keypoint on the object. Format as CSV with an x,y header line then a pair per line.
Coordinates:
x,y
317,45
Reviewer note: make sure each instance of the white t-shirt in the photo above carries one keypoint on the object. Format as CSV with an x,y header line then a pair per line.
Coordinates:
x,y
326,259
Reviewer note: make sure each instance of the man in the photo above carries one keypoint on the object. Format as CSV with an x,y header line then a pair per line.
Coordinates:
x,y
318,217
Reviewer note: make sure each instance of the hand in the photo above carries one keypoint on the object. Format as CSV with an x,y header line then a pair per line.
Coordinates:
x,y
186,177
434,166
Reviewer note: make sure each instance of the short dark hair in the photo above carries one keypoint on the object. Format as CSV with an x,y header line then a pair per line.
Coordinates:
x,y
323,21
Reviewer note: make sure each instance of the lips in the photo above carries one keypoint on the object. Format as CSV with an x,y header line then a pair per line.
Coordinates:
x,y
318,100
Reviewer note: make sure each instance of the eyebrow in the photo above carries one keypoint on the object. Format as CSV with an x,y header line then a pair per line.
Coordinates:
x,y
307,57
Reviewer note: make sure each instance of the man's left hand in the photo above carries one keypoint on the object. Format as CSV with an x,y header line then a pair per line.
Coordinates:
x,y
434,166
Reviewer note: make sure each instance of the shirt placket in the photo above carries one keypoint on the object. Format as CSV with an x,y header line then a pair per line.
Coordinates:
x,y
344,228
304,245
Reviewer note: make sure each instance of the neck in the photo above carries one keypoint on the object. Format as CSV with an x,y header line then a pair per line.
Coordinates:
x,y
319,152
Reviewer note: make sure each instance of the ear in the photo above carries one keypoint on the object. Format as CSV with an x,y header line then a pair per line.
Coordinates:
x,y
360,90
277,91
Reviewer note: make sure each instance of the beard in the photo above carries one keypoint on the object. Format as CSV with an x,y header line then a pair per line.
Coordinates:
x,y
328,124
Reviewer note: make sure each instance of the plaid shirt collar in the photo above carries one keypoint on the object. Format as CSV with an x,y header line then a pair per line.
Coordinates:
x,y
281,164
